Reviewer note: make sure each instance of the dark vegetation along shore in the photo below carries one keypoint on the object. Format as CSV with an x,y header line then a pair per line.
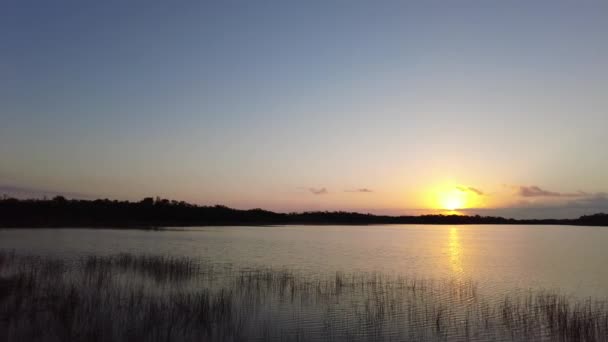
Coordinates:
x,y
60,212
128,297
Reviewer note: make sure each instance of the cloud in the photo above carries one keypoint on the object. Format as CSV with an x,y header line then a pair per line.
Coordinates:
x,y
470,189
318,191
571,208
536,202
595,201
361,190
535,191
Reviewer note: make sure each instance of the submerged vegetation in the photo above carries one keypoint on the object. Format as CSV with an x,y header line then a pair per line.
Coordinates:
x,y
157,298
150,213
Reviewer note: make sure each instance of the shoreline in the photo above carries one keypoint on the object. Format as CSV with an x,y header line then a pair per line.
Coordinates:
x,y
175,227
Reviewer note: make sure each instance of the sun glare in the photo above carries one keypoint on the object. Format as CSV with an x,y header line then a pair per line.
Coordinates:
x,y
452,200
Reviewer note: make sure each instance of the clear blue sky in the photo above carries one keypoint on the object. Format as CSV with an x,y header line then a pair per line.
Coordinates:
x,y
357,105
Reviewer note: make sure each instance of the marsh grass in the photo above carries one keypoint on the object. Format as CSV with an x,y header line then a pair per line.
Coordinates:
x,y
159,268
156,298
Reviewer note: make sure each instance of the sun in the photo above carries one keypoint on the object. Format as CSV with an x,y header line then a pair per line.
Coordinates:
x,y
452,200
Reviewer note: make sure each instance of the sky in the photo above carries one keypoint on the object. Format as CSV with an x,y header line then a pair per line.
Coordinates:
x,y
389,107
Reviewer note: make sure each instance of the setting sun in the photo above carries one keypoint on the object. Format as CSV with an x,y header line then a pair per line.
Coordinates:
x,y
453,200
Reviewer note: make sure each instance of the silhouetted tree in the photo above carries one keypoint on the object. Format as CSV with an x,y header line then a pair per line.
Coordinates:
x,y
149,212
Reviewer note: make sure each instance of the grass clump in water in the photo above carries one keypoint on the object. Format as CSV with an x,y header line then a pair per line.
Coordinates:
x,y
157,298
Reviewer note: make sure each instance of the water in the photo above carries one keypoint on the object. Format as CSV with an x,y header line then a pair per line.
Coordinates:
x,y
572,259
494,278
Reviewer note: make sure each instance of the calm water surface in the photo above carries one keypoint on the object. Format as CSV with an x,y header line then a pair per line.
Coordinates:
x,y
498,258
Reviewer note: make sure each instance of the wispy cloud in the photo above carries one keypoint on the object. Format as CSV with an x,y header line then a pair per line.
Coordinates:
x,y
535,191
470,189
360,190
318,191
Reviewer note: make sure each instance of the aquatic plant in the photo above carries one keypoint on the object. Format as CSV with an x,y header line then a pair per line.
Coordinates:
x,y
129,297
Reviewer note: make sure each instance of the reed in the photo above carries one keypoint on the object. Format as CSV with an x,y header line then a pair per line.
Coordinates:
x,y
160,268
158,298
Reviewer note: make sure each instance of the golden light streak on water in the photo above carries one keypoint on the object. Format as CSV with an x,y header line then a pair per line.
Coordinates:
x,y
455,252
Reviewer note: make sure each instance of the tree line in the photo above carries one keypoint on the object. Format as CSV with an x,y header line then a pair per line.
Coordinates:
x,y
157,212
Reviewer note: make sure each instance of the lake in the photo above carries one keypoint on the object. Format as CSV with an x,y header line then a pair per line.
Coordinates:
x,y
572,259
502,263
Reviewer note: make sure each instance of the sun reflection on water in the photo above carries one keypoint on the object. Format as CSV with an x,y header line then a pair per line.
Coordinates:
x,y
455,250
